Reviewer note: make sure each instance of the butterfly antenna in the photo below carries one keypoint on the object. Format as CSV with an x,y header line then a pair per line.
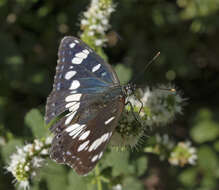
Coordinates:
x,y
168,89
147,65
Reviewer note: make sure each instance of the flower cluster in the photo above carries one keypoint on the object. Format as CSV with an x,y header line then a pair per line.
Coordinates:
x,y
183,153
178,154
129,131
95,22
25,162
160,105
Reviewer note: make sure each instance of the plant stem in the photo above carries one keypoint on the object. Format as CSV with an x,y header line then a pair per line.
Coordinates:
x,y
97,173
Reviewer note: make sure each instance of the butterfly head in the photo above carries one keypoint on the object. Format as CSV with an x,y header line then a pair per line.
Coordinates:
x,y
129,89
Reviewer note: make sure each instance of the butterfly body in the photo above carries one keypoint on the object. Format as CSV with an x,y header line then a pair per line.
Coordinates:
x,y
89,90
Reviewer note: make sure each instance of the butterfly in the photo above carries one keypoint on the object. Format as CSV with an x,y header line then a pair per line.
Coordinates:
x,y
88,89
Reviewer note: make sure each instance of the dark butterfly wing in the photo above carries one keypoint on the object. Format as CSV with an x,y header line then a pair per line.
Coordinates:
x,y
79,71
81,144
89,90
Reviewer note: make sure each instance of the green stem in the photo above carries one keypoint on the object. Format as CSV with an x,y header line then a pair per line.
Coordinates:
x,y
97,173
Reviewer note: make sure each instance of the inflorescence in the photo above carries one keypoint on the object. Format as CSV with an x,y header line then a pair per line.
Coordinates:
x,y
95,22
27,160
159,108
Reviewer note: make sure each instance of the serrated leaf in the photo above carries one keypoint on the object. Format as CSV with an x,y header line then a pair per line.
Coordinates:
x,y
34,120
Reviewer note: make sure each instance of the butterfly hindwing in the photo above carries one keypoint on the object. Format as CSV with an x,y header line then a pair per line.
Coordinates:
x,y
82,143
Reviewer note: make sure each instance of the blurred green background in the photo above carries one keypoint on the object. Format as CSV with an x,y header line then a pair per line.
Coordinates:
x,y
185,31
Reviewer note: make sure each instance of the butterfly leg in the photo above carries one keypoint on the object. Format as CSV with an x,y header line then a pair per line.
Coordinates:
x,y
132,109
141,105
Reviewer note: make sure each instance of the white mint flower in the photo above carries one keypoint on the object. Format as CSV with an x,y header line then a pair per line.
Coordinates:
x,y
24,185
183,154
27,159
178,154
159,105
84,22
90,33
48,140
117,187
159,108
98,42
95,21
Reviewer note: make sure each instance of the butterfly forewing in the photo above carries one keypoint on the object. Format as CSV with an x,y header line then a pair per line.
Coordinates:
x,y
79,71
89,90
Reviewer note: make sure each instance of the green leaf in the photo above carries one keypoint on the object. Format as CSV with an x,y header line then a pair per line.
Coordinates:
x,y
119,162
53,176
124,73
188,177
141,165
76,182
208,160
205,129
131,183
10,148
34,120
216,146
209,182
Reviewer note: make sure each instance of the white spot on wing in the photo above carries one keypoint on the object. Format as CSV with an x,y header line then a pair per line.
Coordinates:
x,y
98,142
70,116
74,85
70,104
58,86
105,137
72,45
81,55
94,158
74,108
70,74
103,74
110,134
95,68
76,132
72,127
83,145
100,155
73,97
86,51
77,60
84,135
109,120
